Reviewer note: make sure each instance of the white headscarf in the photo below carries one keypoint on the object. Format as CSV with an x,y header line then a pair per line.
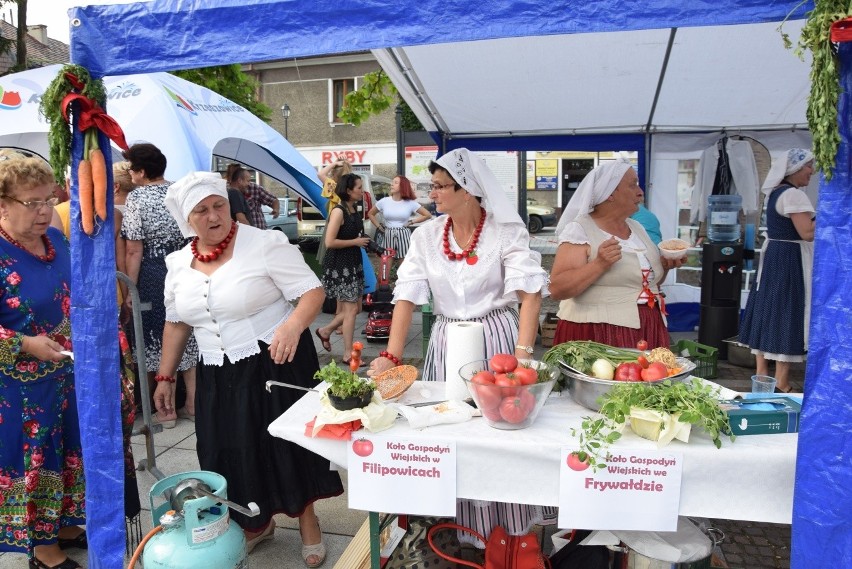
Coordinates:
x,y
790,163
471,173
187,192
595,188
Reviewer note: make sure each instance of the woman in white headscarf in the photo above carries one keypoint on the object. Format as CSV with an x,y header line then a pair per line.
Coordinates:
x,y
233,287
607,270
775,322
475,262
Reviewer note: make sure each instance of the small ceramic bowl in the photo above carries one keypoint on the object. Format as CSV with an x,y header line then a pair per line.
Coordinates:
x,y
674,248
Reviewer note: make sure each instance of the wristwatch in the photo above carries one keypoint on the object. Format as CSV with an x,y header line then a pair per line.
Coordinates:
x,y
527,349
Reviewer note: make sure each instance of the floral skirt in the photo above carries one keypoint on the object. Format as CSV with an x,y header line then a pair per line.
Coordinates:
x,y
41,465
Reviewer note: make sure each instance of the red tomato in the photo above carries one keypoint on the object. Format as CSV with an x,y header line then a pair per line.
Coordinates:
x,y
503,363
362,447
527,399
642,345
574,462
526,375
628,371
508,382
643,361
488,396
513,410
482,377
354,364
492,415
655,371
358,346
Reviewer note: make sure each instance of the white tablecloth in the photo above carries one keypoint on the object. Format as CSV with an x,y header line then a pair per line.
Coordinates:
x,y
749,479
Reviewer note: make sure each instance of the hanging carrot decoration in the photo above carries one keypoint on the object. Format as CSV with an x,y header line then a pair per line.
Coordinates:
x,y
99,179
86,194
74,90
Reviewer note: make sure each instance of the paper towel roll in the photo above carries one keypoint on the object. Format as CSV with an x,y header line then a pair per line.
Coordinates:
x,y
465,343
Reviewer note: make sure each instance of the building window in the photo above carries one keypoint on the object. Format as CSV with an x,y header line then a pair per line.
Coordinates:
x,y
339,89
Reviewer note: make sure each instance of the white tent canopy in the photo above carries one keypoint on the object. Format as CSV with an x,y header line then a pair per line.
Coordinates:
x,y
663,80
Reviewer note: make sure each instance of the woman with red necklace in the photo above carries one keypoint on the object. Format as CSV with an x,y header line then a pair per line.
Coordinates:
x,y
232,288
42,491
475,263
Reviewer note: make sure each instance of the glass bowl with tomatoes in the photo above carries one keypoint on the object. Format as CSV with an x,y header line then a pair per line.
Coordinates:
x,y
509,392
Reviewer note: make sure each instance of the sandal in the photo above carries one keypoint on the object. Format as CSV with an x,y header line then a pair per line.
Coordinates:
x,y
182,413
316,550
362,363
267,533
167,424
788,390
79,542
326,342
36,563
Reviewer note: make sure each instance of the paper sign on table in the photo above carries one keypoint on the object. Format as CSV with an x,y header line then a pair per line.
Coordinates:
x,y
638,490
392,474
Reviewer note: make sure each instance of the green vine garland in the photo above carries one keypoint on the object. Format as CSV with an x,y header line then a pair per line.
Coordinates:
x,y
825,80
59,132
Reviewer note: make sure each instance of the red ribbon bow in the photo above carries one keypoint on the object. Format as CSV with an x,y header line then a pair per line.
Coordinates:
x,y
92,115
652,298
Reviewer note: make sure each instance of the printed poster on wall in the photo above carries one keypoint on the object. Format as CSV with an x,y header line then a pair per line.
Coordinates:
x,y
393,474
638,490
505,168
417,160
546,173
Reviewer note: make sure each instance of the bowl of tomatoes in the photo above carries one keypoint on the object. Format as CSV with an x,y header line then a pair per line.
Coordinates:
x,y
509,392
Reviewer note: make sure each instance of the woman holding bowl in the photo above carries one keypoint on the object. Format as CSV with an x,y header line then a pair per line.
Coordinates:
x,y
607,270
245,340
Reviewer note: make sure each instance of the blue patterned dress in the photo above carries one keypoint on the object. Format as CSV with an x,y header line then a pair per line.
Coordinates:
x,y
41,464
774,318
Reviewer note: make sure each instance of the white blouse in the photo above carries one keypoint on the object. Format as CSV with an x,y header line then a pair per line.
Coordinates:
x,y
505,264
396,213
244,301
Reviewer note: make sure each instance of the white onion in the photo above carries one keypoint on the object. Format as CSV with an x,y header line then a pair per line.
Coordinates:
x,y
602,369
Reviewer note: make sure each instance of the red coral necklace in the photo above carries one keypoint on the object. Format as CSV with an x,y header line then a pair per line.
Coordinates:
x,y
469,252
217,250
49,251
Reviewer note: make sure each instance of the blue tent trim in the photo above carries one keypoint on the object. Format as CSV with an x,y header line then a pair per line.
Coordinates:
x,y
215,32
94,321
821,536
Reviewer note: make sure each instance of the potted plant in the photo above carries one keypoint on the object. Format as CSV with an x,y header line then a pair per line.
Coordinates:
x,y
660,412
346,390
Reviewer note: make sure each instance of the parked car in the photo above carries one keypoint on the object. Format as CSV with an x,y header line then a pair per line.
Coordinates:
x,y
540,216
311,222
286,221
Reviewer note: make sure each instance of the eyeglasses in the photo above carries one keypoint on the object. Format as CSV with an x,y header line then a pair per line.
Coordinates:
x,y
37,204
436,187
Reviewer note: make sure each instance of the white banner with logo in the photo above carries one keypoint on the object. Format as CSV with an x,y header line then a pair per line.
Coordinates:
x,y
637,490
392,474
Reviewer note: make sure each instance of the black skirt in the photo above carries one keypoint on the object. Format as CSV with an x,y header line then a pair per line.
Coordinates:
x,y
232,413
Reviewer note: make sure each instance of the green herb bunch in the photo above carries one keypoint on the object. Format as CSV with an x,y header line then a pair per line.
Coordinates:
x,y
825,77
59,133
696,402
342,382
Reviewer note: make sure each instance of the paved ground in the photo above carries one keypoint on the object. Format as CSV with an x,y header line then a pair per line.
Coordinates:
x,y
747,545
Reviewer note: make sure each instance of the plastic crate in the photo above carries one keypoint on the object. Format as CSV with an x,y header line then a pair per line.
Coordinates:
x,y
705,357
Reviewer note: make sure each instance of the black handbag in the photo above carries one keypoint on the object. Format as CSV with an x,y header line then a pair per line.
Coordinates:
x,y
576,556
